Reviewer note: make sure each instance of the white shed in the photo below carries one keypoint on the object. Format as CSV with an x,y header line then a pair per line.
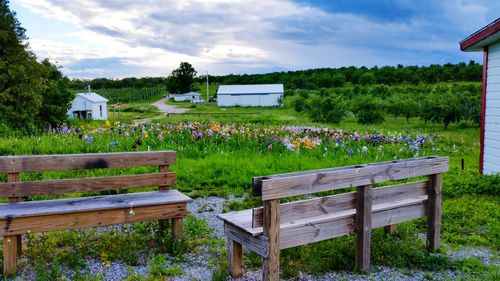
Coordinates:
x,y
89,106
191,96
250,95
487,40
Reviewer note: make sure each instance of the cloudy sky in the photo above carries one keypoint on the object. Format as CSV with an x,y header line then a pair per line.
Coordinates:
x,y
124,38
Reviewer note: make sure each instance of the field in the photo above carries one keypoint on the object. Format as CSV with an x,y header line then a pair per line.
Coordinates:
x,y
219,153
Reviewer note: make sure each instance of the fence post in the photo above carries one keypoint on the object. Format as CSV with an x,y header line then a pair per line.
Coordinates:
x,y
271,225
363,227
391,229
434,211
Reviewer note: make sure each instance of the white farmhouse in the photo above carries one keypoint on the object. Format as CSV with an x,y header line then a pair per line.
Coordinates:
x,y
487,40
89,106
250,95
191,96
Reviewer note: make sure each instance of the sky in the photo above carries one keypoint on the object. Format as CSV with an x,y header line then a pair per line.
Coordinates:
x,y
130,38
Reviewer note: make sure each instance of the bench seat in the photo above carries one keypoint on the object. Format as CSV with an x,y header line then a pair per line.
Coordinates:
x,y
35,216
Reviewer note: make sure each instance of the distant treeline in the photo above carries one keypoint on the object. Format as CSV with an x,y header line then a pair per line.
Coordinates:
x,y
319,78
104,83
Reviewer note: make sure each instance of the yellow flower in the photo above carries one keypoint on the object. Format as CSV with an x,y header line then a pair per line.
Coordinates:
x,y
296,144
107,124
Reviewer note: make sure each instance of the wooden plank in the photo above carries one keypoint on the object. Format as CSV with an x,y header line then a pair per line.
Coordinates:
x,y
402,213
333,203
292,235
10,250
13,226
86,204
163,169
257,244
53,187
363,227
313,182
38,163
235,258
297,210
271,263
341,223
434,212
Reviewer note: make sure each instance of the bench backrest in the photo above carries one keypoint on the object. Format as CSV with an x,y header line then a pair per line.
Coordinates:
x,y
14,165
272,188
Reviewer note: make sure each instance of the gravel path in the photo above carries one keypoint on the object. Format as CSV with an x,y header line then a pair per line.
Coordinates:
x,y
196,265
166,108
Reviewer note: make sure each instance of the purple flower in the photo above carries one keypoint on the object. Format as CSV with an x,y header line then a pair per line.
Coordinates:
x,y
364,149
350,152
88,139
113,143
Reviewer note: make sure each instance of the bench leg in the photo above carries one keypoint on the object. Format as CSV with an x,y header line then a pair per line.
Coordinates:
x,y
391,229
235,255
10,245
177,232
271,224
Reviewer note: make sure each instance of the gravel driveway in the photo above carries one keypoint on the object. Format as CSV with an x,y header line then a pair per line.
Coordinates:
x,y
166,108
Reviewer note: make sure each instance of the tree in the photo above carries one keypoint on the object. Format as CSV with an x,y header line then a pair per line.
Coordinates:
x,y
330,109
56,99
181,80
31,93
368,110
20,81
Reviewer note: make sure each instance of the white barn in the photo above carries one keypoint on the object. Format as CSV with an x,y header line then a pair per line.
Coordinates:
x,y
191,96
89,106
250,95
487,40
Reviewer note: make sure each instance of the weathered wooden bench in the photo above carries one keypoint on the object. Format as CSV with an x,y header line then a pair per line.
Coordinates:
x,y
17,218
268,229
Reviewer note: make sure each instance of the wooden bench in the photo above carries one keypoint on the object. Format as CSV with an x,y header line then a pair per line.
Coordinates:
x,y
17,218
268,229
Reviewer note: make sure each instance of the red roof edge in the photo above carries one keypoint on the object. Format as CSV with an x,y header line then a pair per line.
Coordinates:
x,y
480,35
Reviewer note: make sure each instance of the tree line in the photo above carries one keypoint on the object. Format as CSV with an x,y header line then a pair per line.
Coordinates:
x,y
441,103
304,79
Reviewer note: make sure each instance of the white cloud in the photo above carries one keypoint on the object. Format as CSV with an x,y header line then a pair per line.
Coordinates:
x,y
229,36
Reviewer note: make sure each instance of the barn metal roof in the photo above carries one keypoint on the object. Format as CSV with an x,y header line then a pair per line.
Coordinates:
x,y
93,97
251,89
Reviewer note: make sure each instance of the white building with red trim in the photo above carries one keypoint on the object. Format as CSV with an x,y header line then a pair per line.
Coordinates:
x,y
487,40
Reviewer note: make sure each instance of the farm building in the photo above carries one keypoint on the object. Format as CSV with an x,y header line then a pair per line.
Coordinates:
x,y
89,106
191,96
250,95
487,40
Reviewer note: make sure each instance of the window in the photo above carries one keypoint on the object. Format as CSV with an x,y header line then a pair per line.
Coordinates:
x,y
100,109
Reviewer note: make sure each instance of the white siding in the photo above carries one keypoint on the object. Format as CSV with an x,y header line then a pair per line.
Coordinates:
x,y
492,114
248,100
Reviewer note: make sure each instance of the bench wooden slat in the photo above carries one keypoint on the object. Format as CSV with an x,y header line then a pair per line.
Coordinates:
x,y
342,223
38,163
90,219
242,219
314,181
53,187
86,204
333,203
